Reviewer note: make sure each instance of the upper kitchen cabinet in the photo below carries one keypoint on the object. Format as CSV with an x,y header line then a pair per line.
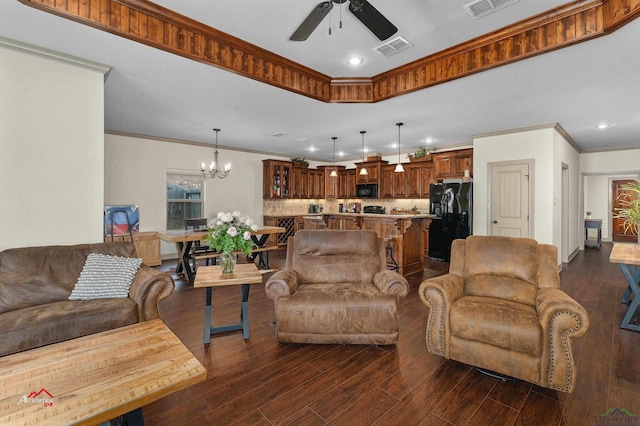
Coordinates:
x,y
332,183
452,164
374,171
418,180
276,177
347,184
393,183
316,183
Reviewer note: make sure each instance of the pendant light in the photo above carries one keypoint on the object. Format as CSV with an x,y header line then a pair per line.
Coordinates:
x,y
363,170
334,172
214,170
399,167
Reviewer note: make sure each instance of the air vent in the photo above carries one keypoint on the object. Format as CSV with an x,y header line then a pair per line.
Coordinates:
x,y
392,47
481,8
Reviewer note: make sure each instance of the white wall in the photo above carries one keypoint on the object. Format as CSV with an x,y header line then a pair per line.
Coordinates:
x,y
532,144
549,151
136,173
51,149
565,154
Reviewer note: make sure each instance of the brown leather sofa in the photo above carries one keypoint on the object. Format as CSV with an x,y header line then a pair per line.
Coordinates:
x,y
500,308
35,284
335,288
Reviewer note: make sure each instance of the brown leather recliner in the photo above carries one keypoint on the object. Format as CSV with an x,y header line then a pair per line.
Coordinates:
x,y
335,288
500,308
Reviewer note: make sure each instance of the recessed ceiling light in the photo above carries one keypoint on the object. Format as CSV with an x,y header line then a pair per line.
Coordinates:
x,y
312,148
340,154
355,60
603,126
429,140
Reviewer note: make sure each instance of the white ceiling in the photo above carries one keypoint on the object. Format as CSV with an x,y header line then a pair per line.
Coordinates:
x,y
154,93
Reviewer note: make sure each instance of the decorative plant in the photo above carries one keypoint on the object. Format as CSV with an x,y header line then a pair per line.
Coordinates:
x,y
421,152
231,232
630,210
302,161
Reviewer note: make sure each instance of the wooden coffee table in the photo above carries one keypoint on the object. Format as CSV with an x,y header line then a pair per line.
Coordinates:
x,y
211,276
95,378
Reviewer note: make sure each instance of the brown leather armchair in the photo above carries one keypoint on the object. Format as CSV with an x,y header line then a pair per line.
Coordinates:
x,y
335,288
500,308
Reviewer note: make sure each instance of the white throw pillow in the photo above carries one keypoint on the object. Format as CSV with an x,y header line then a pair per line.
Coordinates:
x,y
105,276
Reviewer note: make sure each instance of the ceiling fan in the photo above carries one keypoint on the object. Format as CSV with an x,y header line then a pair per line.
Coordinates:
x,y
362,9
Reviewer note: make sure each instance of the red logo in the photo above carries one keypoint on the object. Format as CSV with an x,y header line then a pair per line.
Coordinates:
x,y
43,396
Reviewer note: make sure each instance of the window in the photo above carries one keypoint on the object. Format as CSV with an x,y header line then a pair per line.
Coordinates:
x,y
184,199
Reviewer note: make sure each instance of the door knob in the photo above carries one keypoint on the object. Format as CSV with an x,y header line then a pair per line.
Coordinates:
x,y
495,221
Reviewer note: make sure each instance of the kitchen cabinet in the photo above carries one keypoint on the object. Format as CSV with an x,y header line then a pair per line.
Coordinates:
x,y
331,183
276,176
347,184
299,179
452,164
343,222
418,179
316,184
393,183
286,222
374,169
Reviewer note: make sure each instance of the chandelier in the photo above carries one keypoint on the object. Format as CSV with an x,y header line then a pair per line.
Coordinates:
x,y
399,167
214,171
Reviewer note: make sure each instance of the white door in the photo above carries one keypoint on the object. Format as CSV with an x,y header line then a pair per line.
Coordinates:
x,y
509,215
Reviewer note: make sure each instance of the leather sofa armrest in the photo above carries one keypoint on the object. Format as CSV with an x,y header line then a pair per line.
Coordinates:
x,y
148,287
283,283
391,283
561,318
439,293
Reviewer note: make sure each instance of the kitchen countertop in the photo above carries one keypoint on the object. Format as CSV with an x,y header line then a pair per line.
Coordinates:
x,y
393,216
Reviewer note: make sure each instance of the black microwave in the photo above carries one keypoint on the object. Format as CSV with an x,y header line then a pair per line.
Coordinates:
x,y
369,190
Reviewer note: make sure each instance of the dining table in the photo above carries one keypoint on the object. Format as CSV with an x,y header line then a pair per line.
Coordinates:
x,y
628,256
184,239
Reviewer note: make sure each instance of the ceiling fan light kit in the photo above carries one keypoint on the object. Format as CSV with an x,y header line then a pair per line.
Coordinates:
x,y
380,26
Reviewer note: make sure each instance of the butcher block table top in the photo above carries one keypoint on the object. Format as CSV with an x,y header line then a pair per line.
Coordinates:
x,y
95,378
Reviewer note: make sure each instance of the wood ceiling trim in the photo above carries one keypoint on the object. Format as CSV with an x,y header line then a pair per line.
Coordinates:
x,y
156,26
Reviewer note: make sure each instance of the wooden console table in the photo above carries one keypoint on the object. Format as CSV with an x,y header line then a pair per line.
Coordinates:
x,y
628,256
95,378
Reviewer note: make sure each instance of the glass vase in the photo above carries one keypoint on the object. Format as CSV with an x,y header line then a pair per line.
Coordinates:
x,y
227,262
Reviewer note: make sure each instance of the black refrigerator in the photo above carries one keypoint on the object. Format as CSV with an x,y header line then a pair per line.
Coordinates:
x,y
452,204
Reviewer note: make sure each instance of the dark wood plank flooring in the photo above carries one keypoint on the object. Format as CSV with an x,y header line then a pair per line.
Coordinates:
x,y
261,382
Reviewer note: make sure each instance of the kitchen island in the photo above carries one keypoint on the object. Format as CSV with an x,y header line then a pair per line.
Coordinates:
x,y
406,234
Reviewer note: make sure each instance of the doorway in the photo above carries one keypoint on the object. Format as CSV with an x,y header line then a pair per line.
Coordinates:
x,y
510,199
617,227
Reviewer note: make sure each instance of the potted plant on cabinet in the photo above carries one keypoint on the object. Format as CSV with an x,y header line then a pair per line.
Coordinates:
x,y
421,154
629,213
300,162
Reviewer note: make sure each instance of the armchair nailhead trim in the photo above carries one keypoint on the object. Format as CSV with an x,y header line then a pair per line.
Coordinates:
x,y
440,350
565,348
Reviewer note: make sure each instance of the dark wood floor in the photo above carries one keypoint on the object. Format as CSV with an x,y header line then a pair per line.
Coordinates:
x,y
261,382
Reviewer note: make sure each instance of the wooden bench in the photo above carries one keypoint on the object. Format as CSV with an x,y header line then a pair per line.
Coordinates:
x,y
259,251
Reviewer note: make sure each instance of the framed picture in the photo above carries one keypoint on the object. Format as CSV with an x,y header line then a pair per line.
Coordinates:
x,y
119,220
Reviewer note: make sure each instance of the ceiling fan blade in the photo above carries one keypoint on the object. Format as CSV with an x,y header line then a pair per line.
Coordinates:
x,y
312,21
372,19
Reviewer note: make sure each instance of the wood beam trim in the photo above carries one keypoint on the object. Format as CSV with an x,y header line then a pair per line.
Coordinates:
x,y
156,26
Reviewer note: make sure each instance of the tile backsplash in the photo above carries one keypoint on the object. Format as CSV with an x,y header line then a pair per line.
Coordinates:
x,y
278,207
